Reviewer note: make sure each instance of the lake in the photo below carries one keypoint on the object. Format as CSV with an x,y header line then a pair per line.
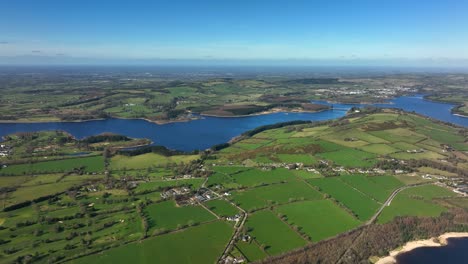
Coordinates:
x,y
454,252
208,131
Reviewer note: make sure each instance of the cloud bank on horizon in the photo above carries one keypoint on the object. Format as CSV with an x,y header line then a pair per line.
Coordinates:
x,y
255,31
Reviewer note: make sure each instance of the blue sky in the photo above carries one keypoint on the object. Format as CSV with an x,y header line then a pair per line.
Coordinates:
x,y
320,30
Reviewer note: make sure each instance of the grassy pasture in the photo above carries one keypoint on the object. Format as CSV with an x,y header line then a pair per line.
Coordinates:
x,y
410,179
251,250
339,138
13,180
404,146
294,158
196,245
308,132
229,169
261,197
399,134
221,179
378,187
194,183
222,208
363,206
429,192
380,149
144,161
433,171
278,133
328,146
423,155
318,219
350,157
306,175
255,177
90,164
42,179
416,201
168,216
442,134
276,236
32,192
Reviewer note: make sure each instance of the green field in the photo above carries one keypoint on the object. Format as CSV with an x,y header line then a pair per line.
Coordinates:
x,y
251,250
380,149
255,177
350,158
363,206
318,219
222,208
274,235
377,187
197,245
261,197
120,216
168,216
295,158
90,164
158,185
147,160
416,201
28,193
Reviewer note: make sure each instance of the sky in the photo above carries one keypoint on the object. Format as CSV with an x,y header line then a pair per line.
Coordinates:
x,y
296,31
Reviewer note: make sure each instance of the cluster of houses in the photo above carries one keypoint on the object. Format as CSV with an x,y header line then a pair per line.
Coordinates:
x,y
461,188
430,177
447,148
235,218
5,150
233,260
203,195
173,192
457,184
385,92
415,150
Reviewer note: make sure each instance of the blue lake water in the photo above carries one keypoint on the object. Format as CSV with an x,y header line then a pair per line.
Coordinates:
x,y
208,131
454,252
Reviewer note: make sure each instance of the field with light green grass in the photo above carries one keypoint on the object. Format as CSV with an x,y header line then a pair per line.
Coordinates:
x,y
416,201
197,245
319,219
272,234
256,177
168,216
222,208
274,194
114,206
377,187
251,250
147,160
89,164
362,205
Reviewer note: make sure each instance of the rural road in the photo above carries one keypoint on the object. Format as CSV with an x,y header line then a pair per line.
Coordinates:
x,y
376,215
389,200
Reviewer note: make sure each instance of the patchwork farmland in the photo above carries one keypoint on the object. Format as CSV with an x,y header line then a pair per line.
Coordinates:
x,y
262,196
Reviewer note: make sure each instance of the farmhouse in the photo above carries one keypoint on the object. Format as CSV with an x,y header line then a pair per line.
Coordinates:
x,y
203,195
174,192
234,218
5,150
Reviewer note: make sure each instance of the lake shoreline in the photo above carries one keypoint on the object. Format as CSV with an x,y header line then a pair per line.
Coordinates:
x,y
439,241
159,122
271,111
162,122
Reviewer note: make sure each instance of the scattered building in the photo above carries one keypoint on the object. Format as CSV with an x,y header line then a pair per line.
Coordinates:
x,y
5,150
235,218
174,192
